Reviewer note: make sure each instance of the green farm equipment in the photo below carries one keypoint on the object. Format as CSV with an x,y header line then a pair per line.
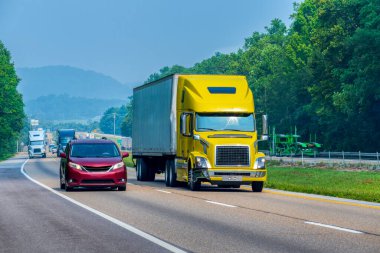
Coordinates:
x,y
288,145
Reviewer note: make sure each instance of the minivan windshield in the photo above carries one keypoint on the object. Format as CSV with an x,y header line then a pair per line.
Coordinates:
x,y
225,122
94,150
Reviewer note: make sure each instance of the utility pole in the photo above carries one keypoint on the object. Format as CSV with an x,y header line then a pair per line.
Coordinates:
x,y
114,123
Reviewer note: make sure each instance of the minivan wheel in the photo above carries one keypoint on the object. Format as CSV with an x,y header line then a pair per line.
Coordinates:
x,y
67,187
122,188
61,180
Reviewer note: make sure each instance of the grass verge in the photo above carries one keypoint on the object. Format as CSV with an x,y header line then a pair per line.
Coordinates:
x,y
359,185
128,161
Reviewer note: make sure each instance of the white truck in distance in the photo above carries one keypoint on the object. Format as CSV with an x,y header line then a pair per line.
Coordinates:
x,y
36,147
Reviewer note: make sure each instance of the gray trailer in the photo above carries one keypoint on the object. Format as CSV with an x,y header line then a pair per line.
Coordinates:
x,y
154,124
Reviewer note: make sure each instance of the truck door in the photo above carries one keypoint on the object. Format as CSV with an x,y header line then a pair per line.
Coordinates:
x,y
186,138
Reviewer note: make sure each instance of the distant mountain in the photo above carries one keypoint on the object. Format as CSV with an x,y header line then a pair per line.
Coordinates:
x,y
64,107
59,80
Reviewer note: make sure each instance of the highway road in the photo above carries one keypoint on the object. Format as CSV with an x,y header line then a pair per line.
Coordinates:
x,y
36,216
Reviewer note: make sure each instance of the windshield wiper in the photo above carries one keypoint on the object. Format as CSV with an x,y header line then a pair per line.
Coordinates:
x,y
231,130
205,128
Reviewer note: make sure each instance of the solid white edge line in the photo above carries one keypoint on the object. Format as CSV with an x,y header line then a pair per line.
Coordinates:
x,y
333,227
163,191
107,217
218,203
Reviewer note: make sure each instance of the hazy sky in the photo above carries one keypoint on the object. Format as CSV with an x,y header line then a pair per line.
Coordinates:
x,y
130,39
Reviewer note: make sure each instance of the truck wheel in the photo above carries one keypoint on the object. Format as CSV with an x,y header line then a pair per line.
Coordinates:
x,y
257,186
170,175
194,186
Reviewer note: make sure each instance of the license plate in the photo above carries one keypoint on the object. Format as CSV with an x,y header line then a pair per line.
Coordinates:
x,y
232,178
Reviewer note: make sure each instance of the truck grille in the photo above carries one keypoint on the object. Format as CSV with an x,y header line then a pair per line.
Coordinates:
x,y
37,150
232,156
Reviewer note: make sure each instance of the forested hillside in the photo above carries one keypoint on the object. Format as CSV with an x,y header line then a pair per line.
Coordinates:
x,y
58,80
321,74
11,105
65,107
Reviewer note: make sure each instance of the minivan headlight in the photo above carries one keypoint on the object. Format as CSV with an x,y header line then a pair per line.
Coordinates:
x,y
117,166
75,166
259,163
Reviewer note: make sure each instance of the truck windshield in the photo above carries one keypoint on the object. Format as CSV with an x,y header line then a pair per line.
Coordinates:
x,y
37,143
94,150
225,122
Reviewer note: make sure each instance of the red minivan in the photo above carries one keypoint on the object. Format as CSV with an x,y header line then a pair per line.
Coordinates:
x,y
92,163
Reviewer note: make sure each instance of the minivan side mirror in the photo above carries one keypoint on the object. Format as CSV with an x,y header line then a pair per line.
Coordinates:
x,y
124,154
62,155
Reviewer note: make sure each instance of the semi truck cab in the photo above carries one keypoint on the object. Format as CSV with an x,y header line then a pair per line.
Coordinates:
x,y
217,141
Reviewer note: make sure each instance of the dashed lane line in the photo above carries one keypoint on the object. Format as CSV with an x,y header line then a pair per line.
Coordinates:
x,y
334,227
220,204
163,191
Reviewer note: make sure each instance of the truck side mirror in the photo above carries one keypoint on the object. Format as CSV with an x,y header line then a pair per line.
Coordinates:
x,y
186,124
264,136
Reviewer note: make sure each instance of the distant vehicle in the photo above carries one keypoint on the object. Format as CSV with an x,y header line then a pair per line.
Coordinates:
x,y
51,146
63,137
36,147
197,128
92,163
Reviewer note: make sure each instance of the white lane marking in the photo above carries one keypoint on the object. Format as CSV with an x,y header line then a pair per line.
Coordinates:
x,y
130,183
163,191
220,204
126,226
333,227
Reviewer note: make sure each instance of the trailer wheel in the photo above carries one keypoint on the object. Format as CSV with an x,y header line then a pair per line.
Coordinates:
x,y
170,175
193,185
257,186
143,172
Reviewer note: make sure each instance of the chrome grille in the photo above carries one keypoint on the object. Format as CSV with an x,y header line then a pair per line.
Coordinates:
x,y
232,156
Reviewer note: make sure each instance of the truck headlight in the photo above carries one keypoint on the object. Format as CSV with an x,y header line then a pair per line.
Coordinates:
x,y
117,166
259,163
201,162
75,166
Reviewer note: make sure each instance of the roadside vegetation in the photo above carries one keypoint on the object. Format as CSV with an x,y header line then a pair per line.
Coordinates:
x,y
336,182
128,161
11,106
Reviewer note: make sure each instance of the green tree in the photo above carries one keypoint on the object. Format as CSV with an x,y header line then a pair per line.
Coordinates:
x,y
113,117
126,125
11,105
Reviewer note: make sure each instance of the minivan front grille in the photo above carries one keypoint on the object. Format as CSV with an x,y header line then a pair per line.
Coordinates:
x,y
97,169
232,156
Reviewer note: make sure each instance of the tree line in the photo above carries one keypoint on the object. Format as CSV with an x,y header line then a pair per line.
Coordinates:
x,y
11,105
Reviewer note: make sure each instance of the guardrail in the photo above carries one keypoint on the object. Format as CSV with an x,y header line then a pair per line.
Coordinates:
x,y
360,159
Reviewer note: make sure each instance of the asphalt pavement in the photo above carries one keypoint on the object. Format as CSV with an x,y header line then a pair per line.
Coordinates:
x,y
149,217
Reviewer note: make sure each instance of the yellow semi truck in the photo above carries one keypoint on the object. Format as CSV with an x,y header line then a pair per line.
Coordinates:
x,y
197,128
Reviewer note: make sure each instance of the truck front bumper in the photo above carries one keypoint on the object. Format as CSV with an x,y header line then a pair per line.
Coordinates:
x,y
232,176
